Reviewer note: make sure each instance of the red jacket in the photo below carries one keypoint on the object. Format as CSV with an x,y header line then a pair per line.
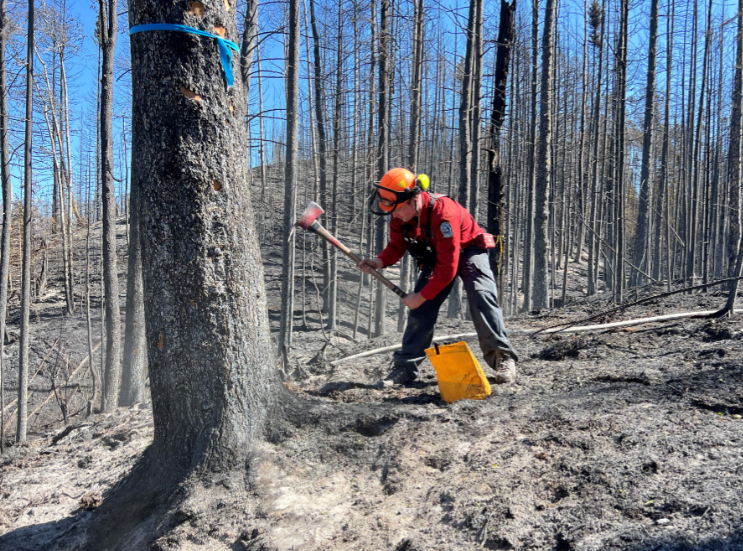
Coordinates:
x,y
447,242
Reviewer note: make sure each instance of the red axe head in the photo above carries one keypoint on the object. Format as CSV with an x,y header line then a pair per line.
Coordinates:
x,y
309,215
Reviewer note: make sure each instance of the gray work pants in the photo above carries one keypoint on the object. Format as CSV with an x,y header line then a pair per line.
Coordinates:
x,y
482,295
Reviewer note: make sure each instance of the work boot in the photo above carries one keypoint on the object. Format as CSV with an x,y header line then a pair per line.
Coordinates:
x,y
505,371
398,376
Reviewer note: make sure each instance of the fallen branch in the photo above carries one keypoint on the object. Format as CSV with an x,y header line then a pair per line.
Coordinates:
x,y
549,330
647,299
11,404
51,394
67,430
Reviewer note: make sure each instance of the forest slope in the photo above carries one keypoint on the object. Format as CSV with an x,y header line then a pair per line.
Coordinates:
x,y
627,439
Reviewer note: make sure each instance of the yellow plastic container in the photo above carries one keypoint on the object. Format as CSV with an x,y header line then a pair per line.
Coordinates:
x,y
458,372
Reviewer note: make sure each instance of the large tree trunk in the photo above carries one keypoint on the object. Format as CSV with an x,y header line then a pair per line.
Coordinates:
x,y
108,25
212,371
211,368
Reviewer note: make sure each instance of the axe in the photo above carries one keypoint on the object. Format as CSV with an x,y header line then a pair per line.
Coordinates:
x,y
308,221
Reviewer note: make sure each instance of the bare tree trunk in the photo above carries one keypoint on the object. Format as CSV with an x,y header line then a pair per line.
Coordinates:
x,y
735,175
464,196
212,372
528,280
93,373
333,284
475,90
135,336
322,143
544,168
596,18
7,191
465,115
415,128
20,434
663,176
248,47
619,158
640,257
291,169
108,27
496,221
382,154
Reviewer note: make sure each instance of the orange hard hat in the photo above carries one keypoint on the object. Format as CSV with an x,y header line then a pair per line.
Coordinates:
x,y
396,180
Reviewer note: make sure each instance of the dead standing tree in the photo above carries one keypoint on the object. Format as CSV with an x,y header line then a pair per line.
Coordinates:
x,y
735,171
415,129
20,434
107,38
291,169
135,357
496,194
641,252
7,191
380,300
544,164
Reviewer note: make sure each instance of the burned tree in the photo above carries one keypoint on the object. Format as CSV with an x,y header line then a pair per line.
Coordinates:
x,y
211,370
7,191
496,192
207,328
107,23
20,434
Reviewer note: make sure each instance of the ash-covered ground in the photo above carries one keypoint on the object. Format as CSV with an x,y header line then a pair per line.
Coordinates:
x,y
623,439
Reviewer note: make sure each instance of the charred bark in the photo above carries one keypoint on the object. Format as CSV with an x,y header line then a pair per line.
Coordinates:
x,y
496,192
207,327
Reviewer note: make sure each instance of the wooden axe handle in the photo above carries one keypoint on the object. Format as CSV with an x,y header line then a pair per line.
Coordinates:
x,y
327,236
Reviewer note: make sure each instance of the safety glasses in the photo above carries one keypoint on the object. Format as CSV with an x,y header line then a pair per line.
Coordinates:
x,y
379,204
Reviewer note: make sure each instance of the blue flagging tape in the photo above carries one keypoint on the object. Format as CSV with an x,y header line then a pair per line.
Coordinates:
x,y
224,45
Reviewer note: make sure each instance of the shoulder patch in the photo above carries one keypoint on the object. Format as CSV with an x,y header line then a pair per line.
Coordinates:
x,y
446,230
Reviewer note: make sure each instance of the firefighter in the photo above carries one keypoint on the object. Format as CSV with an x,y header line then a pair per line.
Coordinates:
x,y
445,242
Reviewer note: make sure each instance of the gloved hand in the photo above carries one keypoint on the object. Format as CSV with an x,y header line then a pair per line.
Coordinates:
x,y
369,264
413,300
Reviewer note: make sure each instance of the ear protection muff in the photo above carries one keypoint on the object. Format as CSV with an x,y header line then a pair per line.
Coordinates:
x,y
422,182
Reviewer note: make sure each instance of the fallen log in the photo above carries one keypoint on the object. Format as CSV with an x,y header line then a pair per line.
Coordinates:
x,y
549,331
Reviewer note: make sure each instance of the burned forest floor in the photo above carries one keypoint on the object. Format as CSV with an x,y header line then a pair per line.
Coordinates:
x,y
617,439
